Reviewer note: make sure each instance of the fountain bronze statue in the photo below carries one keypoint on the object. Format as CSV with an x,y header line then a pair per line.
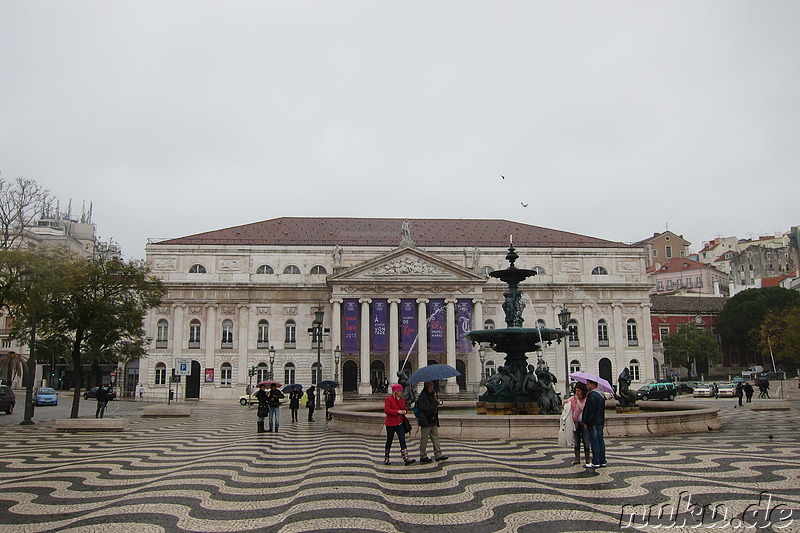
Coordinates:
x,y
517,387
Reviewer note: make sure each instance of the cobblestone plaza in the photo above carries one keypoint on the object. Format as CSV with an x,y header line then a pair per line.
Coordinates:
x,y
212,472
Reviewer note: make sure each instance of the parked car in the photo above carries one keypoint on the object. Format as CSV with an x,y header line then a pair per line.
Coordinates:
x,y
92,393
248,398
45,396
657,391
7,399
726,390
703,390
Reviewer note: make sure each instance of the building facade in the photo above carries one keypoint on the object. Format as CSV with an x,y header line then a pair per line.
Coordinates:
x,y
395,295
684,275
663,246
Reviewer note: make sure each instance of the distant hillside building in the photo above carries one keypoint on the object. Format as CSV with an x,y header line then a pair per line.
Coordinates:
x,y
663,246
392,292
684,275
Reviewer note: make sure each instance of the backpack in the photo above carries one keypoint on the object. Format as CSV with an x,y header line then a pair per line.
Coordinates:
x,y
416,408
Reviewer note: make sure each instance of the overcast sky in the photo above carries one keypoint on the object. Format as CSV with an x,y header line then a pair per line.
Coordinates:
x,y
610,119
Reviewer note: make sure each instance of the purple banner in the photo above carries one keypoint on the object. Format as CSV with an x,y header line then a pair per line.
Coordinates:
x,y
464,321
408,324
350,326
380,341
436,327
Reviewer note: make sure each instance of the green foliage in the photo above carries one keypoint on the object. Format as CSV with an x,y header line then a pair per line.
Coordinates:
x,y
690,344
743,314
780,333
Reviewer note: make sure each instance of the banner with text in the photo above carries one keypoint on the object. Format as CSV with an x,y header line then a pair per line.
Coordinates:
x,y
437,320
408,324
380,340
464,325
350,325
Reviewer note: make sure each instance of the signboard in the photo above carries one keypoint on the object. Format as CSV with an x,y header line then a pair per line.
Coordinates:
x,y
113,373
183,367
209,375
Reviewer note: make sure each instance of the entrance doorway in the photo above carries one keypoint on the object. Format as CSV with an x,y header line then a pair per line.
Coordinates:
x,y
377,373
604,369
462,379
193,382
349,376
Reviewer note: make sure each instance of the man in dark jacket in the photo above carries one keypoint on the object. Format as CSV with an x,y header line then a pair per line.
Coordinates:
x,y
103,396
429,424
594,418
274,397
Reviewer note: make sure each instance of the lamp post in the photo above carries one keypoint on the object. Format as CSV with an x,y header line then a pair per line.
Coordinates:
x,y
337,356
251,372
29,379
271,362
482,357
564,317
317,331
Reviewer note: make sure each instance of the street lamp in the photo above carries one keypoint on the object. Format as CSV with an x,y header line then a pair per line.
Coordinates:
x,y
317,331
482,357
30,377
271,361
564,317
337,356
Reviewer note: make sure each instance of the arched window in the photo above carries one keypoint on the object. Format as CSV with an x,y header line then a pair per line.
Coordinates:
x,y
289,374
291,269
633,336
197,269
633,368
227,334
488,324
316,373
262,372
161,374
599,271
194,333
265,269
490,368
263,334
540,323
574,366
486,270
162,333
291,334
318,269
602,332
225,373
572,327
540,271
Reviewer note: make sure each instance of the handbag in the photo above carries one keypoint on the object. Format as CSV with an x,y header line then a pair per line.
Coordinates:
x,y
406,425
263,412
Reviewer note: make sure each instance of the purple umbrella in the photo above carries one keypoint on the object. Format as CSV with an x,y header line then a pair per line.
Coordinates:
x,y
583,377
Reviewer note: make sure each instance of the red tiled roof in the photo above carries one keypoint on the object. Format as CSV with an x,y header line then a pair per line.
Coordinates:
x,y
680,264
773,282
323,231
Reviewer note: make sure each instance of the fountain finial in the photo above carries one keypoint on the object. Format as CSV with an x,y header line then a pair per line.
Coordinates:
x,y
512,256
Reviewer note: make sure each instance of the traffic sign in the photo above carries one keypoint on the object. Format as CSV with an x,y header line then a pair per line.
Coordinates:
x,y
113,373
183,367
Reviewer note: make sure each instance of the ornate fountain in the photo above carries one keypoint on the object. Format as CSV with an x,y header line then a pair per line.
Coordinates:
x,y
518,387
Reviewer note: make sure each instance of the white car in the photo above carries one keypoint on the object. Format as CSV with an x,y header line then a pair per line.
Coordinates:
x,y
703,390
726,390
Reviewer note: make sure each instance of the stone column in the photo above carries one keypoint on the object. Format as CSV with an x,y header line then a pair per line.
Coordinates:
x,y
422,330
646,367
244,346
394,340
620,337
474,364
452,340
364,386
589,336
211,338
179,327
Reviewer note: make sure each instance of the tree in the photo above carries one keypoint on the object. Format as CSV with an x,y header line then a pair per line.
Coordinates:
x,y
740,319
779,335
99,312
21,201
11,365
690,344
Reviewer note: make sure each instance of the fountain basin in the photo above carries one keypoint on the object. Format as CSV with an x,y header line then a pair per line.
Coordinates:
x,y
655,418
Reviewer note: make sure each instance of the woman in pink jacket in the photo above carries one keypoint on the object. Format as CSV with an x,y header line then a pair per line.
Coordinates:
x,y
395,408
578,400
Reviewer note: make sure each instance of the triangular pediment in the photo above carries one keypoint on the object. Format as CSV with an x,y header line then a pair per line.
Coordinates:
x,y
407,264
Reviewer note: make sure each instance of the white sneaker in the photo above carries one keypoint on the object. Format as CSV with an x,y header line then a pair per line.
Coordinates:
x,y
589,465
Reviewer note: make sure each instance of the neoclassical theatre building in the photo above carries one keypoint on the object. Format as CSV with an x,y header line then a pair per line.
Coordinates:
x,y
394,294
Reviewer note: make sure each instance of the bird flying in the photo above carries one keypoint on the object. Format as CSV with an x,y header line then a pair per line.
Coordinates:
x,y
524,204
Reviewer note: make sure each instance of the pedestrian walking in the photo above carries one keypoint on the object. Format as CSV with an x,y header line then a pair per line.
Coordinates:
x,y
294,401
765,384
715,390
141,391
395,409
576,404
330,400
311,396
103,396
428,420
263,406
594,419
739,391
274,396
748,391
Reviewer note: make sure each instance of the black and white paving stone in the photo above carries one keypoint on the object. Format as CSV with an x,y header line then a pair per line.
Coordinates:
x,y
213,472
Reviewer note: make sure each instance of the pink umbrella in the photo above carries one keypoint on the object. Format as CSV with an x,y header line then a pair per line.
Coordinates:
x,y
583,377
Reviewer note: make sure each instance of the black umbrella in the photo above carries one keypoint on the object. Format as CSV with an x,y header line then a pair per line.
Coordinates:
x,y
433,373
288,388
327,384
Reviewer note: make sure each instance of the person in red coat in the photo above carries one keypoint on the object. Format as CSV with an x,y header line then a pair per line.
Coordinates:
x,y
395,408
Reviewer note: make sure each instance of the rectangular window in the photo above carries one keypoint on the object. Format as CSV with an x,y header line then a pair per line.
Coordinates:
x,y
263,336
668,251
602,334
227,337
663,331
161,376
660,286
194,336
633,339
679,281
698,281
291,336
689,283
225,377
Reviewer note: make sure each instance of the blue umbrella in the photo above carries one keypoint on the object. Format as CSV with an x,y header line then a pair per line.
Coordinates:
x,y
288,388
433,373
327,384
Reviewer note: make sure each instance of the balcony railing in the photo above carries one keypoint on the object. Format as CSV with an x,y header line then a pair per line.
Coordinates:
x,y
161,344
194,345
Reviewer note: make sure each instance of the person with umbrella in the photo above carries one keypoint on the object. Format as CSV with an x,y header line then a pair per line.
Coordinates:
x,y
395,409
594,418
428,420
330,400
274,401
263,406
294,401
311,398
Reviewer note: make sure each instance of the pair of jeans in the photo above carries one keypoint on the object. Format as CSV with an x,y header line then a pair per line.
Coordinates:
x,y
274,417
101,409
401,436
597,443
579,435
